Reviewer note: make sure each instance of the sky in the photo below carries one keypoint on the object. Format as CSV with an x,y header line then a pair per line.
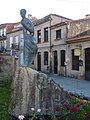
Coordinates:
x,y
73,9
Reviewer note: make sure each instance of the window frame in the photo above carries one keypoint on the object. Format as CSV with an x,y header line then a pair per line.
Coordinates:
x,y
75,61
39,36
11,42
58,34
46,34
16,42
62,57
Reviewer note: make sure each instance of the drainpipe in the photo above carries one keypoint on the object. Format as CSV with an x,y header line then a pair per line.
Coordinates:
x,y
50,48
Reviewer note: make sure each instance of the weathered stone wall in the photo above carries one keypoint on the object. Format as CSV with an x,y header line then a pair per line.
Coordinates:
x,y
79,26
6,66
79,74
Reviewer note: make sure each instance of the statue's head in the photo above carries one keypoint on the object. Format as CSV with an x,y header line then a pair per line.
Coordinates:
x,y
22,13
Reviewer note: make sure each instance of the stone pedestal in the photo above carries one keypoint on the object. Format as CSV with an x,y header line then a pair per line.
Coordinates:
x,y
28,88
33,89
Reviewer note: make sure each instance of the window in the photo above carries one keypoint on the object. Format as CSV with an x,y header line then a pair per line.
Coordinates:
x,y
1,32
1,47
11,41
62,57
58,34
39,36
45,34
45,58
75,61
5,44
4,31
16,42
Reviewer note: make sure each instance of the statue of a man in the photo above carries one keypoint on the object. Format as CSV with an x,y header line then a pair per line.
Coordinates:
x,y
30,48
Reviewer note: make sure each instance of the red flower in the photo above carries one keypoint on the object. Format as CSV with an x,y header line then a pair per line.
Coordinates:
x,y
82,98
57,109
81,103
74,109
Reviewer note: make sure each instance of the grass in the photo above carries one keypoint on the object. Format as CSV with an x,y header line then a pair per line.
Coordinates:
x,y
5,95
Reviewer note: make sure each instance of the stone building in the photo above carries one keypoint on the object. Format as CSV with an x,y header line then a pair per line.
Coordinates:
x,y
14,43
51,32
14,36
3,29
78,49
58,47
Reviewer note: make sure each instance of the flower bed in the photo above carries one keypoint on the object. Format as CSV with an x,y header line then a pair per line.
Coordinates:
x,y
72,108
57,104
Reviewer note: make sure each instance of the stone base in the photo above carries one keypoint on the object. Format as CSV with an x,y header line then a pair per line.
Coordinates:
x,y
26,88
33,89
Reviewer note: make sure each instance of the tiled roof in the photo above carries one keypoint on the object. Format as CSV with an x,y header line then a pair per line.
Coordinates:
x,y
47,18
84,19
8,26
78,39
3,25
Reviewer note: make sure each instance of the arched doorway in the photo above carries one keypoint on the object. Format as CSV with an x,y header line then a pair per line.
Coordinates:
x,y
87,63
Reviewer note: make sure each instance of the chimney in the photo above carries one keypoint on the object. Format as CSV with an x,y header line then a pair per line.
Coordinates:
x,y
87,16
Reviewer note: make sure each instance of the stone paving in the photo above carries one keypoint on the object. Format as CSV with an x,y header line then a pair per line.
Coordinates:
x,y
81,87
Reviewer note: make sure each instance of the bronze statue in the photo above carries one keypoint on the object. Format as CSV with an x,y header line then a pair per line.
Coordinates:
x,y
30,47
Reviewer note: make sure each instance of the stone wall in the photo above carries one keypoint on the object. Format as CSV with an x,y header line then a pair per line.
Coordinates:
x,y
79,28
6,66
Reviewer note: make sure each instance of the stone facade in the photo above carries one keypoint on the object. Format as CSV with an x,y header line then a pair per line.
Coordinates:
x,y
53,23
4,28
15,42
58,44
79,39
16,32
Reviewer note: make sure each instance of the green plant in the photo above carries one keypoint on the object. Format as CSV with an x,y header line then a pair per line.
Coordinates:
x,y
53,117
5,95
